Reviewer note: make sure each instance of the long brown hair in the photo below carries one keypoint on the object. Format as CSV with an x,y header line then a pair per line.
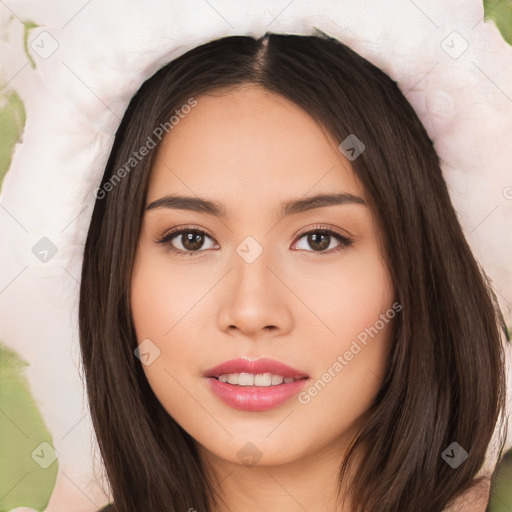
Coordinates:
x,y
445,375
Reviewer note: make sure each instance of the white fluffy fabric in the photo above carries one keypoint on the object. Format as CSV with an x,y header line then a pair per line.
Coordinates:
x,y
75,99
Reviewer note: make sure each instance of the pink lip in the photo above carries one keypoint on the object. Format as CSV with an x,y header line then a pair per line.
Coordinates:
x,y
255,398
255,366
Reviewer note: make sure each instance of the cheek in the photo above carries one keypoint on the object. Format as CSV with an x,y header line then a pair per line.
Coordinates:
x,y
356,303
165,296
166,310
347,298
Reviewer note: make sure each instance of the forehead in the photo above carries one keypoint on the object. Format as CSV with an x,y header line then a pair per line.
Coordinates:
x,y
249,145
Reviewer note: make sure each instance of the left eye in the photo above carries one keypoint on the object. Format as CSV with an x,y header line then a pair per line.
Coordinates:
x,y
193,241
320,240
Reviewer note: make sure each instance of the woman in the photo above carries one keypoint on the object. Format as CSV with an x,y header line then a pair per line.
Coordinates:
x,y
333,346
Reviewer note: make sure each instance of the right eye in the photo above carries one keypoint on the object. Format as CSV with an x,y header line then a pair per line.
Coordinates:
x,y
191,241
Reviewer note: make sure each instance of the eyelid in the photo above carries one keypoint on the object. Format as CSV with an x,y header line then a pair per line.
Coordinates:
x,y
182,228
323,227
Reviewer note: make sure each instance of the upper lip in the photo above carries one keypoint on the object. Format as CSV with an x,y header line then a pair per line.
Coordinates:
x,y
254,366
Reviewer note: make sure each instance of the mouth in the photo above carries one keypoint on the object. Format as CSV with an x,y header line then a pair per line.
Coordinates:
x,y
250,379
255,385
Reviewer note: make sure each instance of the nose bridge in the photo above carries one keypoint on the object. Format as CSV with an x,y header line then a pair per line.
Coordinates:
x,y
252,275
256,298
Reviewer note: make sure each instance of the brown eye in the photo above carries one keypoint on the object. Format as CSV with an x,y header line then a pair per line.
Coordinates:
x,y
186,241
192,241
320,240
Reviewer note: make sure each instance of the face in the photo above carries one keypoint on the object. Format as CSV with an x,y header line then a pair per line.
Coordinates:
x,y
270,286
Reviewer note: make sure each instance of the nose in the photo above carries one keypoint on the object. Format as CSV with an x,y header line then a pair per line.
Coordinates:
x,y
255,302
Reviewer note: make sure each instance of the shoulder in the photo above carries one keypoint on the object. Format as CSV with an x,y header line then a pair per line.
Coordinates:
x,y
475,499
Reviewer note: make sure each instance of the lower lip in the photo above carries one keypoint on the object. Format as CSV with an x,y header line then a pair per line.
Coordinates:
x,y
255,398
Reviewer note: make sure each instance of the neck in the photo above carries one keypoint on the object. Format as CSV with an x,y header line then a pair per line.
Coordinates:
x,y
308,483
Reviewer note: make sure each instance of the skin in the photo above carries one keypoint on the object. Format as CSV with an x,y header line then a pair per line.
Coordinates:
x,y
251,150
473,500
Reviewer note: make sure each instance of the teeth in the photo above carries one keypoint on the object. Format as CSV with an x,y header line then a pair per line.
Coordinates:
x,y
245,379
277,379
249,379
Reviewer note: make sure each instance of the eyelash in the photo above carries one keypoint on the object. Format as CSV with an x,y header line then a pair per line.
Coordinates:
x,y
169,236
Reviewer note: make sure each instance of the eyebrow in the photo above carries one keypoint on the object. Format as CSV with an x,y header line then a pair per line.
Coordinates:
x,y
287,208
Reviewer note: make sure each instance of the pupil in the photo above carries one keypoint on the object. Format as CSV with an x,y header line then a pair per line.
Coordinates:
x,y
321,240
193,241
